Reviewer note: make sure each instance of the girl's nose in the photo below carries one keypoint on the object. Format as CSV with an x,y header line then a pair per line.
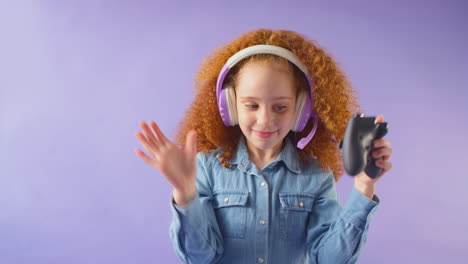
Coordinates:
x,y
265,117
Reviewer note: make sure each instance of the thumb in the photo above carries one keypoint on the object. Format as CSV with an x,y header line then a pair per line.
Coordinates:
x,y
379,119
191,143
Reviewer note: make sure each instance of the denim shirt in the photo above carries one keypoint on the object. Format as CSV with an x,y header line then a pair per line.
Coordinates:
x,y
288,212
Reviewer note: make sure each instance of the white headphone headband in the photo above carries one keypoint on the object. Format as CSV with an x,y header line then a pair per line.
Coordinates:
x,y
266,49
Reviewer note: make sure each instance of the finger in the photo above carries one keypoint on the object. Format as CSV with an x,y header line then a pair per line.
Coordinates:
x,y
191,143
378,143
385,165
386,157
384,153
159,134
150,136
379,119
144,142
144,157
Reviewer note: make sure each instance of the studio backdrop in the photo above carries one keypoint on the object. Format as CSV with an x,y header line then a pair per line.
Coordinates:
x,y
76,77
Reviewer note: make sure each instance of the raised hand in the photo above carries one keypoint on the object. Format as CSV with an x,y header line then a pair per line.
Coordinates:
x,y
382,152
177,164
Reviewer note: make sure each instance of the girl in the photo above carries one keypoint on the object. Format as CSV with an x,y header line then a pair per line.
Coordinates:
x,y
270,110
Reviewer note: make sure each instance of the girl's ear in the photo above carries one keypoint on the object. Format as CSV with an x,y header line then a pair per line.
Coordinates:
x,y
231,104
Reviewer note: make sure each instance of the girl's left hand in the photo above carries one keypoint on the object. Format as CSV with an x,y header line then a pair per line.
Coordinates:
x,y
382,152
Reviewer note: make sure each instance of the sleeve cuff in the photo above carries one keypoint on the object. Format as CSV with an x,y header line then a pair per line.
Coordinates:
x,y
189,215
359,209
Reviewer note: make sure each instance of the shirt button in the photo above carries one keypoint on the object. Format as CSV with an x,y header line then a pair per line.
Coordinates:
x,y
260,260
226,200
262,222
242,164
301,204
263,184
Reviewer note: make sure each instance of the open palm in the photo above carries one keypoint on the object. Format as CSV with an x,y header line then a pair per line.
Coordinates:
x,y
177,164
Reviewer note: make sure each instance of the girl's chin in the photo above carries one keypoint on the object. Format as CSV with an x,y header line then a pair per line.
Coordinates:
x,y
264,142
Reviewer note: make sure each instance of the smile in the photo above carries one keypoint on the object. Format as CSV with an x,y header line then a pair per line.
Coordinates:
x,y
264,134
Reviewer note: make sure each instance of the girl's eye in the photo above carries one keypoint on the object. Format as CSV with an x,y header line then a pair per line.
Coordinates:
x,y
280,108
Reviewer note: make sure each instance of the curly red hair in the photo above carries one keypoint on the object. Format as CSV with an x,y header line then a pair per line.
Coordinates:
x,y
335,100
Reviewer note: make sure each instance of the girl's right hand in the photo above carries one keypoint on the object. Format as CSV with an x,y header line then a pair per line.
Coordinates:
x,y
178,165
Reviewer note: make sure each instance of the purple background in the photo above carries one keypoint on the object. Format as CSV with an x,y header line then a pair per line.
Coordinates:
x,y
76,77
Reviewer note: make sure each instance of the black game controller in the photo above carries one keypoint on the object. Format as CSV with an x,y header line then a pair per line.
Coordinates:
x,y
357,145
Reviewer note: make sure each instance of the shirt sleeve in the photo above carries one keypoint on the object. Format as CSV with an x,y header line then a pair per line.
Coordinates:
x,y
337,234
194,231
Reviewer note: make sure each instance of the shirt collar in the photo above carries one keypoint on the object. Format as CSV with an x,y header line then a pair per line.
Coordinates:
x,y
288,155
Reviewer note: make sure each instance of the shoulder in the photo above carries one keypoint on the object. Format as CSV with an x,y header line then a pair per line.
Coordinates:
x,y
208,168
313,168
210,157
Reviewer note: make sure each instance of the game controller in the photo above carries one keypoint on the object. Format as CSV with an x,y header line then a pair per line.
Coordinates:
x,y
357,145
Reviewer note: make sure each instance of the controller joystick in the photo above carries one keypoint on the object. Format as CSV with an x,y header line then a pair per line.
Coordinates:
x,y
357,145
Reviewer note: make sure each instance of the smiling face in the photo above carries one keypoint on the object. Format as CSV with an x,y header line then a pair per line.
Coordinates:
x,y
265,100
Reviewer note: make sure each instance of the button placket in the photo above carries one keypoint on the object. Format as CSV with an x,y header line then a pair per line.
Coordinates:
x,y
261,234
262,221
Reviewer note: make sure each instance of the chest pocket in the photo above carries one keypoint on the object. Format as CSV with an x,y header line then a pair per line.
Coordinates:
x,y
294,214
231,212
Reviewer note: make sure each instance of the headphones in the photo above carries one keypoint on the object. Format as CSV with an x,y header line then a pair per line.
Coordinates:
x,y
226,95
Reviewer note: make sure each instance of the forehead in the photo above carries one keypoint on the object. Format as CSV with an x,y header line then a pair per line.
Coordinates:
x,y
265,80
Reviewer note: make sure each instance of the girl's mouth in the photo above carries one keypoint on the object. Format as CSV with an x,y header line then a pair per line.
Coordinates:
x,y
264,134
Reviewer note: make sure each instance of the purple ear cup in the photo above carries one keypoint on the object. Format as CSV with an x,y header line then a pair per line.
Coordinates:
x,y
223,108
307,111
222,97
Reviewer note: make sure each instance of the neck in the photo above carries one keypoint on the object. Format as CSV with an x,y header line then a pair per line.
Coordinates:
x,y
263,156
